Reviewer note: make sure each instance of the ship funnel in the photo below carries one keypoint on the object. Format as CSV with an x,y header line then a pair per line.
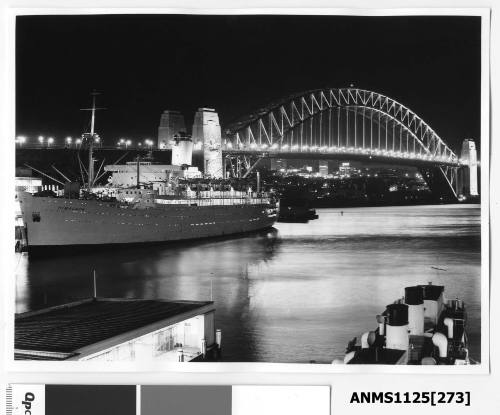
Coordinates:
x,y
433,302
414,298
397,327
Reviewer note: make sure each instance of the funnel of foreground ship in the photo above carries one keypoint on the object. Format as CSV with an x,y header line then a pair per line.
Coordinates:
x,y
423,328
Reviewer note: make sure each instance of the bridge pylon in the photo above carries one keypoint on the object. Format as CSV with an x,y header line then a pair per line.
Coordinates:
x,y
206,130
467,182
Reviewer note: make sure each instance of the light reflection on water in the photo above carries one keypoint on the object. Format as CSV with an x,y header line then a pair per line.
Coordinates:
x,y
296,294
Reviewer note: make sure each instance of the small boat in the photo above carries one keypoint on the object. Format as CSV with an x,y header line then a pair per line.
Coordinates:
x,y
296,214
422,328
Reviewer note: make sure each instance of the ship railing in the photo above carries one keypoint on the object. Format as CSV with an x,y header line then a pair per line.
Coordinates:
x,y
215,201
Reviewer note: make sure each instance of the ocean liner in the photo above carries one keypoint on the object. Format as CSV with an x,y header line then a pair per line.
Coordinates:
x,y
140,214
53,222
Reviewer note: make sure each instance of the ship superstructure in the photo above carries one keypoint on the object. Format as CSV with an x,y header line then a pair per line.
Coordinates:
x,y
422,328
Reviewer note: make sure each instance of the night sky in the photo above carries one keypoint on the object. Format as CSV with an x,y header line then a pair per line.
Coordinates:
x,y
146,64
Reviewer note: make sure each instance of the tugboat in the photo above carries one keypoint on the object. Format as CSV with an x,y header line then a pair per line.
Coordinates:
x,y
422,328
295,208
296,214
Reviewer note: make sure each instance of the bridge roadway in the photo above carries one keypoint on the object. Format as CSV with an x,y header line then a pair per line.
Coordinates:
x,y
331,153
66,159
348,154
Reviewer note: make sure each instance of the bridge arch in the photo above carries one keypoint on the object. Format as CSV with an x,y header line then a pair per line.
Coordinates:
x,y
279,127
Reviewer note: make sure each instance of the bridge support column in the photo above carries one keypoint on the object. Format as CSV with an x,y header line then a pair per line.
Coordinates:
x,y
442,183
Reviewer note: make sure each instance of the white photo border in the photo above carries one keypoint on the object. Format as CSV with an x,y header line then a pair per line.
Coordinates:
x,y
8,280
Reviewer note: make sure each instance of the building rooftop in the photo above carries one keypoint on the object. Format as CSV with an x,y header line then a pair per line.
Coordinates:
x,y
60,332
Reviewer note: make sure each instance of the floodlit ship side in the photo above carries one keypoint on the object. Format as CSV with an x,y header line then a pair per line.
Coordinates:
x,y
158,210
53,222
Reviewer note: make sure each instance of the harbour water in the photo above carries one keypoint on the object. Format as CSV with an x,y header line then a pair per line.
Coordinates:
x,y
294,294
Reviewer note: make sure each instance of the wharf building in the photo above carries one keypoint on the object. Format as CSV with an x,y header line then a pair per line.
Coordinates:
x,y
171,124
118,329
25,182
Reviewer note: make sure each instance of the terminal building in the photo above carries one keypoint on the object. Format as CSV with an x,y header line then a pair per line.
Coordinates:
x,y
108,329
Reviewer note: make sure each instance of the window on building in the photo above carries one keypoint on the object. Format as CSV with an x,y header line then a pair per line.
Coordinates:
x,y
164,340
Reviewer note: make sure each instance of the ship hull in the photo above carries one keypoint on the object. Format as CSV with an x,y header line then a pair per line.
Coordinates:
x,y
58,223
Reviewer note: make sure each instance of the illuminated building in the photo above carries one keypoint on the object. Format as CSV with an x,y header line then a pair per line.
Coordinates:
x,y
28,184
278,165
323,168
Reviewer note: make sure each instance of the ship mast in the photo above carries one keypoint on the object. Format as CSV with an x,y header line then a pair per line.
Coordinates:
x,y
138,170
91,139
91,144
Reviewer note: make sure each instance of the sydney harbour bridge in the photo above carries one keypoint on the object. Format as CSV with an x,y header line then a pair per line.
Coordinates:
x,y
348,123
329,124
